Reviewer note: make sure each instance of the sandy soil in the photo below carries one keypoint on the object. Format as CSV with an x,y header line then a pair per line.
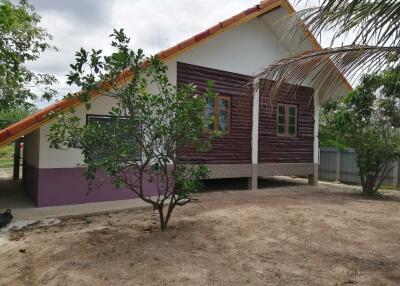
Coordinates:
x,y
281,235
5,173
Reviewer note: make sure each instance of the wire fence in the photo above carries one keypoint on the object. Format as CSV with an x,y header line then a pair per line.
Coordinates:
x,y
341,166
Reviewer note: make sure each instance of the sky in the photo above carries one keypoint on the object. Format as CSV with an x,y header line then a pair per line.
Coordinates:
x,y
153,25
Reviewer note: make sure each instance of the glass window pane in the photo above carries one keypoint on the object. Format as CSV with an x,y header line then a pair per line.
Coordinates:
x,y
223,104
123,132
281,110
128,137
281,129
292,120
223,120
100,120
97,153
209,113
210,104
209,117
281,120
292,130
223,126
223,115
292,111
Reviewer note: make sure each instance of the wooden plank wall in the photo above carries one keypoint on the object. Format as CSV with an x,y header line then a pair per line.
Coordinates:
x,y
277,149
235,147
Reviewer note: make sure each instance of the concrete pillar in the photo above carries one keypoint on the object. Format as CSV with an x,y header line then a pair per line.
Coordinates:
x,y
396,176
253,184
337,171
313,178
24,151
17,159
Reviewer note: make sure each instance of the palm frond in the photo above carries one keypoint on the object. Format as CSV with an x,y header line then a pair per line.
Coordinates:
x,y
324,69
371,22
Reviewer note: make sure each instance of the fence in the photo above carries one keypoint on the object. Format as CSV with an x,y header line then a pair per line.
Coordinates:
x,y
341,166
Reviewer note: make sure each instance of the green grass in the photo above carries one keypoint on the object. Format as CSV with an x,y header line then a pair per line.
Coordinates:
x,y
6,151
6,156
6,163
385,188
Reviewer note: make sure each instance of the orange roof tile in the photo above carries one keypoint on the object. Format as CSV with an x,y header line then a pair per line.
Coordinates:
x,y
34,121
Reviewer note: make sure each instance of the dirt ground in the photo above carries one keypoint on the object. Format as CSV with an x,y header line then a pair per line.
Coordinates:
x,y
280,235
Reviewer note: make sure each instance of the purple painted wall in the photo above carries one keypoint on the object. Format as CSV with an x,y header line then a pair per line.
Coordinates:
x,y
66,186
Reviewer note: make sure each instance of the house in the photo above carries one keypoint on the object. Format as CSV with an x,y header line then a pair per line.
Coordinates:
x,y
256,143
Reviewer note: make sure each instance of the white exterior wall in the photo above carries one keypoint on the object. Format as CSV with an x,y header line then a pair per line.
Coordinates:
x,y
31,146
246,49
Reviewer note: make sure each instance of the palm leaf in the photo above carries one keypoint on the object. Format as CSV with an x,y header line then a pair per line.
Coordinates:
x,y
371,22
324,69
375,26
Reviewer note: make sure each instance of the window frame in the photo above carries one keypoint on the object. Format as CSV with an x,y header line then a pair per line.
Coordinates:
x,y
97,116
215,114
286,107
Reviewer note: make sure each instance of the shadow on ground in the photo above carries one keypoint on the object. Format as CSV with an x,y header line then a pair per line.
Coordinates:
x,y
240,184
12,195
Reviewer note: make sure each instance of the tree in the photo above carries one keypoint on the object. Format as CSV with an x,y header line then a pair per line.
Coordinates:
x,y
374,26
22,40
151,121
328,136
368,120
15,114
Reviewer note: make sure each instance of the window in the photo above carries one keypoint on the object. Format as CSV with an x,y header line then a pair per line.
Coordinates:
x,y
287,120
127,138
218,114
101,119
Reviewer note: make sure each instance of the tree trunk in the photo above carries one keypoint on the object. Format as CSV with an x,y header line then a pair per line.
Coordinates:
x,y
163,223
369,185
165,219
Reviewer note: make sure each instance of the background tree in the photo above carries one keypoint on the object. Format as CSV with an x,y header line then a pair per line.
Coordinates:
x,y
328,136
368,120
22,40
151,120
15,114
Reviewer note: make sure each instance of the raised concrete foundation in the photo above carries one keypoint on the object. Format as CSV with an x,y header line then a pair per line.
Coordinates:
x,y
285,169
313,179
253,171
253,180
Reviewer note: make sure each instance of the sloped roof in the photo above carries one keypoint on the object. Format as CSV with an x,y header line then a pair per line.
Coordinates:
x,y
34,121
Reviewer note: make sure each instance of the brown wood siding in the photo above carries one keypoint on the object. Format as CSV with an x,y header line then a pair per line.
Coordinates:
x,y
279,149
232,148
